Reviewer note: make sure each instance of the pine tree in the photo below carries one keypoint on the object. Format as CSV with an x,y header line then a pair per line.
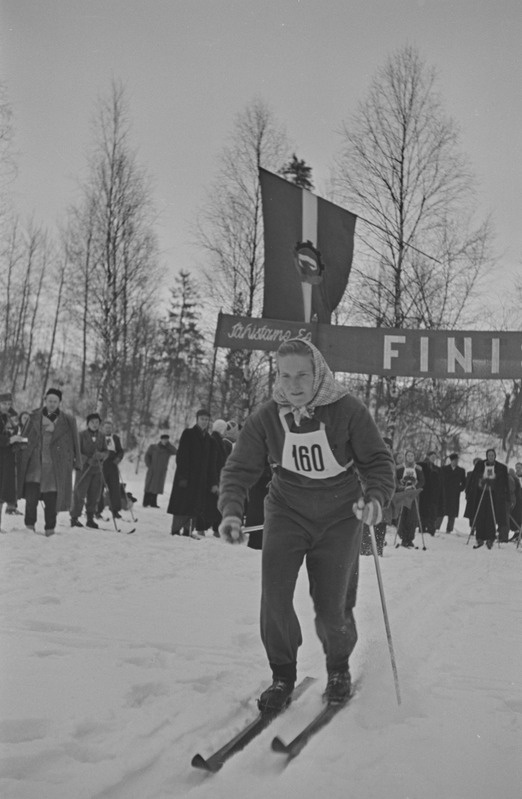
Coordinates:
x,y
183,344
297,171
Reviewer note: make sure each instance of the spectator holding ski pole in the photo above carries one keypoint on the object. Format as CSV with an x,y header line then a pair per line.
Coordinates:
x,y
331,473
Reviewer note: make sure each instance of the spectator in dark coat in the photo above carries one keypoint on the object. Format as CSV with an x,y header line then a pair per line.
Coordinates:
x,y
516,511
157,461
454,480
111,472
89,482
468,511
9,438
195,477
222,449
489,498
46,465
515,491
431,500
409,478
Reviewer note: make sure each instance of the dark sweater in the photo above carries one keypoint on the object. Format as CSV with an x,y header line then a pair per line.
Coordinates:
x,y
351,433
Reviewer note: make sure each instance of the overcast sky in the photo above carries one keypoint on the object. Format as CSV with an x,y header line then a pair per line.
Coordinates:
x,y
190,66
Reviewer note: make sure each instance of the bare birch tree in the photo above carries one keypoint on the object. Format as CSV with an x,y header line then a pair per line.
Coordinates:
x,y
230,231
419,258
114,253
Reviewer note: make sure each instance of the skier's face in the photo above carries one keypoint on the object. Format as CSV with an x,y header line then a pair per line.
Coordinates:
x,y
203,421
490,456
518,469
4,407
94,425
296,376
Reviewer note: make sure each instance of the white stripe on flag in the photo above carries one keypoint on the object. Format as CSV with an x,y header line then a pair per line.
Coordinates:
x,y
309,204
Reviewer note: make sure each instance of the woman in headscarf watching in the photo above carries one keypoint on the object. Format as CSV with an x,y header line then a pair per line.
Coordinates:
x,y
331,472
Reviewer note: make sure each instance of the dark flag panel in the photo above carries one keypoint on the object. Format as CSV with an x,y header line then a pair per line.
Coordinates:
x,y
303,283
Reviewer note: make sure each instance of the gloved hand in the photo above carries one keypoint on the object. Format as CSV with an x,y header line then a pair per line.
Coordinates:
x,y
230,530
369,512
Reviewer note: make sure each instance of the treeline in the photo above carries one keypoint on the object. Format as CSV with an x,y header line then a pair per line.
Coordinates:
x,y
93,308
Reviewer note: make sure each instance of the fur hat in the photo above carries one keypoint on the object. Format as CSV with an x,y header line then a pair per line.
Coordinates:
x,y
203,412
55,391
92,416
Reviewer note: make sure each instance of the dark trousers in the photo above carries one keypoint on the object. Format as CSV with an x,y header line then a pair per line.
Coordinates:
x,y
408,523
32,497
87,488
451,523
150,500
380,537
111,476
324,533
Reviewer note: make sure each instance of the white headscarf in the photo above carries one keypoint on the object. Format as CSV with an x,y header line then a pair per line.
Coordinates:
x,y
326,389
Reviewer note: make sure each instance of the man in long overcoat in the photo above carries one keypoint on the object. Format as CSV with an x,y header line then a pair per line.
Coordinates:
x,y
489,495
454,481
157,459
195,477
8,439
431,500
46,465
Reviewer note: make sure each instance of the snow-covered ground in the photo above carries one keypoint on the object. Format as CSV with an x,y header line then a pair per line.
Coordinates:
x,y
124,655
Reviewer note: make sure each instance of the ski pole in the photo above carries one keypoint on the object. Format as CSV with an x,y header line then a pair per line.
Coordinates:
x,y
420,523
385,613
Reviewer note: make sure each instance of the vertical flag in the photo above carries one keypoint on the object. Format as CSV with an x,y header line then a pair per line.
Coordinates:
x,y
308,251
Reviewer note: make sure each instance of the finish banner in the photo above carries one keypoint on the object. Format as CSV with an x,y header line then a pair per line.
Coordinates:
x,y
480,355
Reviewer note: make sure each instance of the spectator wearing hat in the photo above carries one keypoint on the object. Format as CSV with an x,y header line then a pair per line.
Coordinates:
x,y
157,459
195,478
454,482
46,464
9,438
89,481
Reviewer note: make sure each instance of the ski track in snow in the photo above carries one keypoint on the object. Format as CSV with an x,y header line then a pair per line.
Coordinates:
x,y
122,656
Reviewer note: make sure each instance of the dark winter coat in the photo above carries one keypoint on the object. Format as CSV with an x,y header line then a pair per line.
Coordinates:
x,y
196,473
157,459
92,446
65,454
7,461
221,450
499,491
114,455
516,511
454,484
431,500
